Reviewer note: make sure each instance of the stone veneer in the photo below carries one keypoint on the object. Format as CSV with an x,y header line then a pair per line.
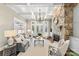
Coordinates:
x,y
68,13
64,14
58,14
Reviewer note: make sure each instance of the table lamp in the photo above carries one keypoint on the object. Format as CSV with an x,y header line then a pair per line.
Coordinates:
x,y
10,34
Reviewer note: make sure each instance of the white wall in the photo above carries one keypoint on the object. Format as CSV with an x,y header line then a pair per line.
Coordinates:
x,y
6,22
76,22
74,43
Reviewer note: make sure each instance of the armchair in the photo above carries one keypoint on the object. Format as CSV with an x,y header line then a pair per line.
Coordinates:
x,y
60,51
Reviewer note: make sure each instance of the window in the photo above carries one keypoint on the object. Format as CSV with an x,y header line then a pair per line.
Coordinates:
x,y
45,28
40,27
37,28
33,28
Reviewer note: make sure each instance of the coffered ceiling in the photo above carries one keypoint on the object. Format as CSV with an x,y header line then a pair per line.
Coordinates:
x,y
31,10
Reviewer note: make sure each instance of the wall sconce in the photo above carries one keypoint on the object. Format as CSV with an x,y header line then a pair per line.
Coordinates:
x,y
55,20
10,34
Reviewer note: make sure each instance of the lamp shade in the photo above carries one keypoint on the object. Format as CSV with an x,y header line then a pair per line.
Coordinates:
x,y
10,33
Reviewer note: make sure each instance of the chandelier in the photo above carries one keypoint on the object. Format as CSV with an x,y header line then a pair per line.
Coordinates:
x,y
38,16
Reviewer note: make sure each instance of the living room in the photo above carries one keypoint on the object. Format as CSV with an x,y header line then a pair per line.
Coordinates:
x,y
39,29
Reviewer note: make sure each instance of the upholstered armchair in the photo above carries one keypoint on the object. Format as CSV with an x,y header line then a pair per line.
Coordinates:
x,y
61,50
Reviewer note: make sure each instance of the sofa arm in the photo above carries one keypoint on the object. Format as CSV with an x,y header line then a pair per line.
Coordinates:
x,y
22,47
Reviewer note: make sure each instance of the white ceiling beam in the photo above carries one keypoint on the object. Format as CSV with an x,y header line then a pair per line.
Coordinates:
x,y
22,13
15,3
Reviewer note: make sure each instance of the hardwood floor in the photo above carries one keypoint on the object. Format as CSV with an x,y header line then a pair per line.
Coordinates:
x,y
36,50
